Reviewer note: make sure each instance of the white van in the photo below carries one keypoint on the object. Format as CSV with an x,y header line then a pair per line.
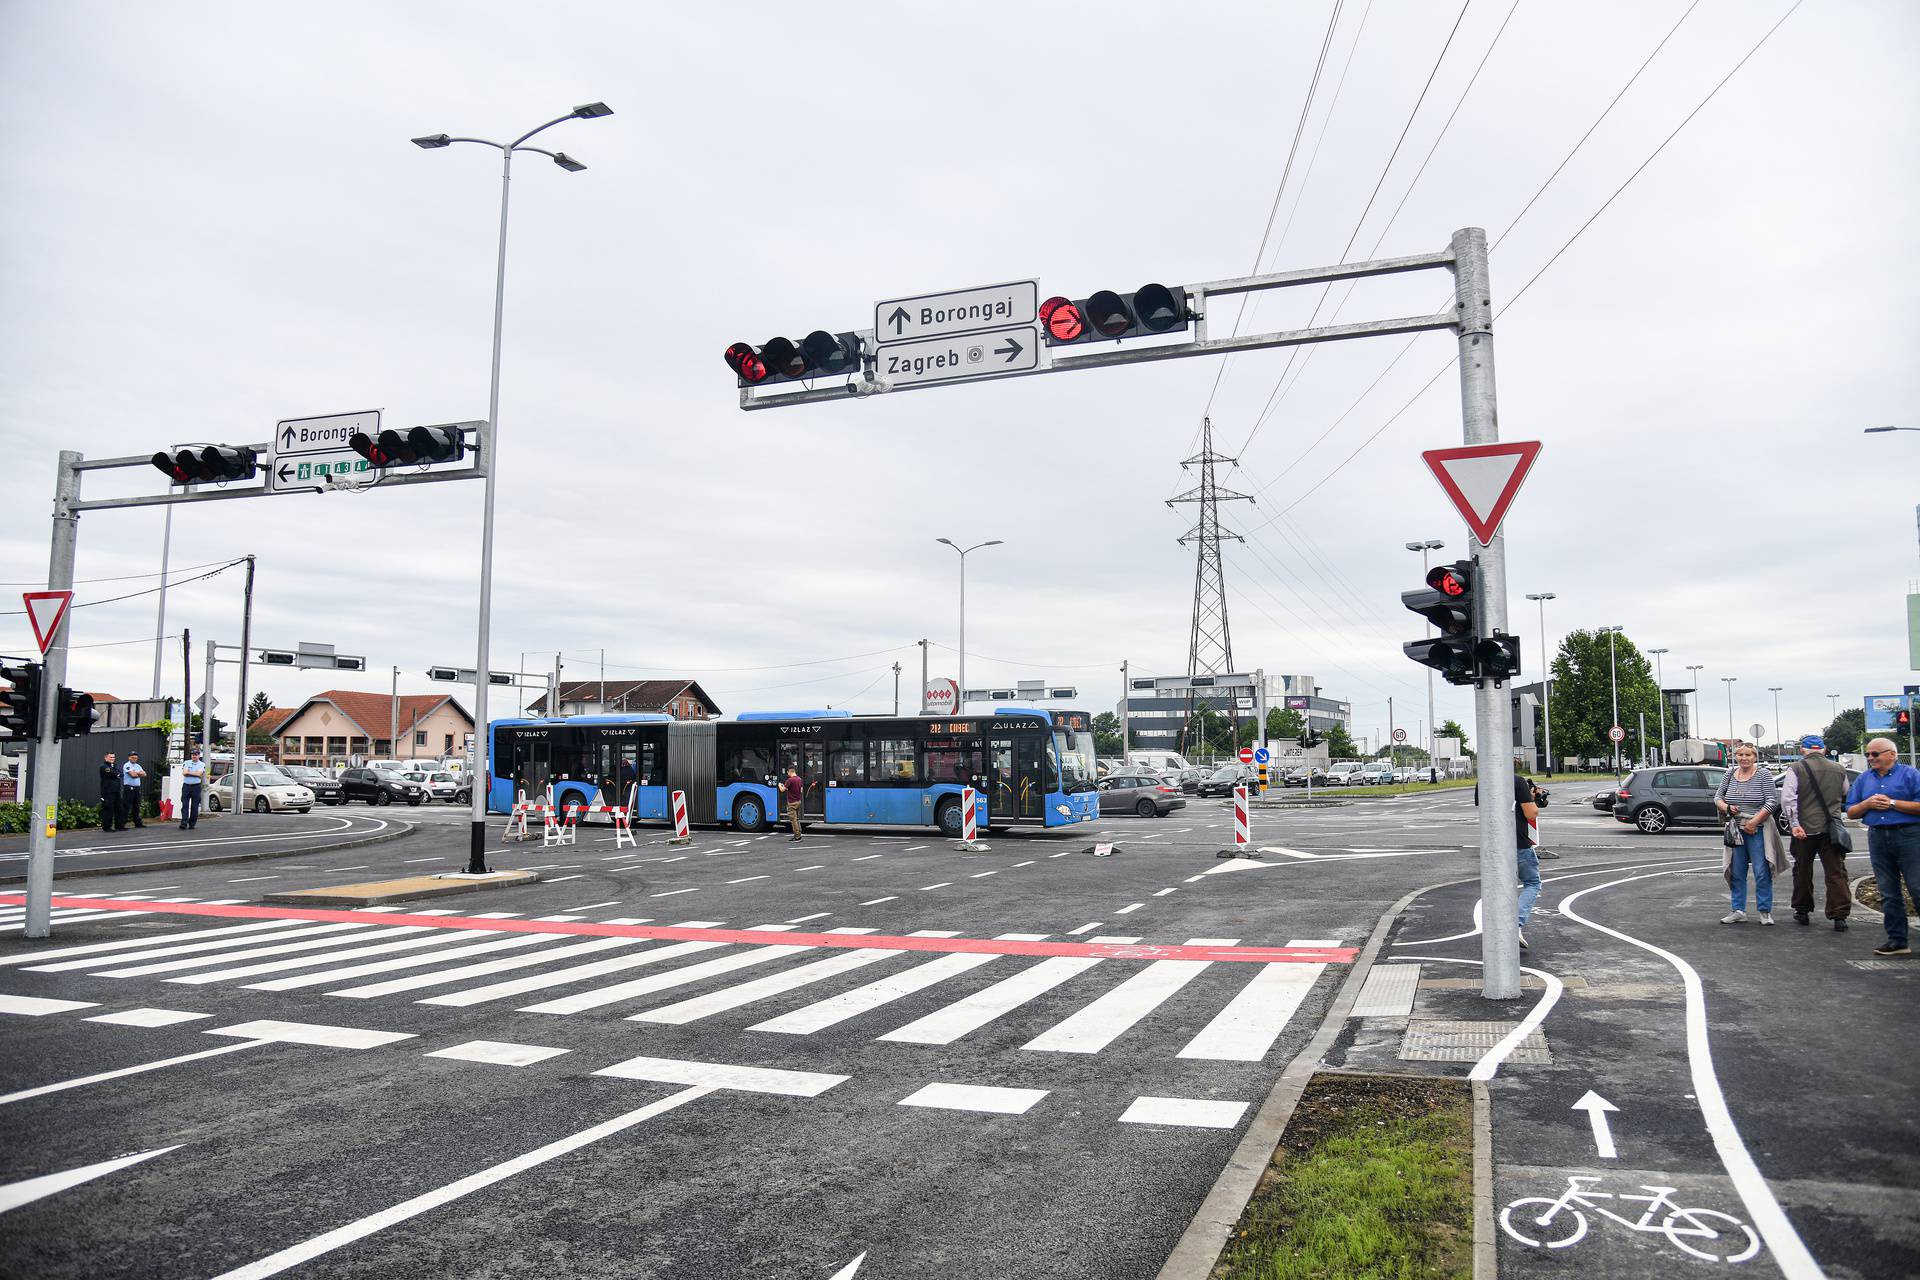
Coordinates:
x,y
1158,761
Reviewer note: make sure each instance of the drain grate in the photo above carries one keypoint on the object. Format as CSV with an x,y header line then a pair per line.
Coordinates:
x,y
1878,966
1438,1041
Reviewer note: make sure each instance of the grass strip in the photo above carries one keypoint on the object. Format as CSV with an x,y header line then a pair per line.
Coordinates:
x,y
1373,1180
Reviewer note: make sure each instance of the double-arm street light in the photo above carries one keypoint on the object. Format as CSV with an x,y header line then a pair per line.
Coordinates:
x,y
1613,682
477,847
960,702
1775,689
1699,729
1728,681
1659,681
1546,674
1433,729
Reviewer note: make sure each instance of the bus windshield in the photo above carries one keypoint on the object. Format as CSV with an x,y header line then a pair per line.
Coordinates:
x,y
1076,760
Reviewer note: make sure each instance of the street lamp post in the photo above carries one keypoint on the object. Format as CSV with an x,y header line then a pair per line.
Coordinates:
x,y
1696,668
1775,689
1546,675
1728,681
1613,680
1833,707
1423,547
961,701
1659,688
477,843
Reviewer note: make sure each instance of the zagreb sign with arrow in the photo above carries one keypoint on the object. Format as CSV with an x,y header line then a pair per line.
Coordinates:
x,y
959,335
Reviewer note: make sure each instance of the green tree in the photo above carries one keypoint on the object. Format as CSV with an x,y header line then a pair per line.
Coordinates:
x,y
1845,733
1452,729
1284,722
1340,745
258,705
1106,735
1582,692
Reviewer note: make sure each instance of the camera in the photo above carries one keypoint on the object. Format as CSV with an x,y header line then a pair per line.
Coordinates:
x,y
1540,795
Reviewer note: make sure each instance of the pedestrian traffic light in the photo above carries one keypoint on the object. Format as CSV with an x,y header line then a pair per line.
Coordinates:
x,y
214,462
20,704
1446,602
819,354
73,713
1151,309
1903,719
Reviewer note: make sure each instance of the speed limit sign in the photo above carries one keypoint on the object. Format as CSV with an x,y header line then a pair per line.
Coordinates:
x,y
1399,735
1616,734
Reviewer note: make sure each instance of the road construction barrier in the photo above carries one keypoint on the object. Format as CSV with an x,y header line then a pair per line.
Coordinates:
x,y
559,827
1242,831
517,819
623,821
969,819
681,833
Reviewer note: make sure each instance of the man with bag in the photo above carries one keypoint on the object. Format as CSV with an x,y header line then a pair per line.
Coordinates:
x,y
1812,797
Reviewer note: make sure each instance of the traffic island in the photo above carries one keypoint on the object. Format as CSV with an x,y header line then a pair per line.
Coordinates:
x,y
1373,1176
407,889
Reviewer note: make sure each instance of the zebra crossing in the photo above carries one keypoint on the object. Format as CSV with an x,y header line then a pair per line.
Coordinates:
x,y
892,994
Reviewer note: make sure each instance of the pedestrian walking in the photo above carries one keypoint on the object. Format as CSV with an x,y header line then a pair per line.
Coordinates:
x,y
1747,796
1887,798
794,788
193,775
1526,832
132,799
111,819
1812,797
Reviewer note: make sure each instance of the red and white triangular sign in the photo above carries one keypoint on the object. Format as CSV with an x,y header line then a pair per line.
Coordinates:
x,y
1482,480
44,611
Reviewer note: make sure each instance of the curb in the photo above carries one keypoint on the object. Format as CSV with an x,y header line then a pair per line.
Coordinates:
x,y
1485,1256
1199,1246
176,864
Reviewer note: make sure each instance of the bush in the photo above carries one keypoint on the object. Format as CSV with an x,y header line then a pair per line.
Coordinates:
x,y
70,816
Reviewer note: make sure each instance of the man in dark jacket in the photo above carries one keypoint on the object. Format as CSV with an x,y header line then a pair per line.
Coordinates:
x,y
1814,793
111,819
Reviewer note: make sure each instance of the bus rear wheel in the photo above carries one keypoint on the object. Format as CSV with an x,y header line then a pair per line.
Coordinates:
x,y
748,815
947,818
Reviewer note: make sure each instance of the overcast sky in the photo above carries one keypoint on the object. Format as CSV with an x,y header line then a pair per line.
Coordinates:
x,y
211,219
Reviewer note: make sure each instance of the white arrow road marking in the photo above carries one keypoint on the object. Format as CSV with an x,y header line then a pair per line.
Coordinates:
x,y
19,1193
1596,1108
847,1272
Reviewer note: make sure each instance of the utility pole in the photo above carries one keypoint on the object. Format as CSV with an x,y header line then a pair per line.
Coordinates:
x,y
1393,749
1696,668
393,716
896,688
1126,696
603,681
1546,675
1660,687
53,673
160,616
1728,681
186,691
923,678
559,673
206,713
1613,681
1775,689
1209,634
240,716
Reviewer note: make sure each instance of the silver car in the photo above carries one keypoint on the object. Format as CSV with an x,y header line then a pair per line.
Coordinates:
x,y
1140,792
265,791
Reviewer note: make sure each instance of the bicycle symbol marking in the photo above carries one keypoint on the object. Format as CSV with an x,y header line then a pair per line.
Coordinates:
x,y
1560,1224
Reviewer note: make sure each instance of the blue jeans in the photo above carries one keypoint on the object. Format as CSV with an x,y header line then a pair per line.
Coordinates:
x,y
1753,853
1528,864
1894,852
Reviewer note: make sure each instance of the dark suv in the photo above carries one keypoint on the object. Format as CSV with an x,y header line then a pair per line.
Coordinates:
x,y
379,786
1675,796
325,787
1223,780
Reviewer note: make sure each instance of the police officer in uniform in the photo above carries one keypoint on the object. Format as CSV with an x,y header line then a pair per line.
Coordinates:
x,y
111,818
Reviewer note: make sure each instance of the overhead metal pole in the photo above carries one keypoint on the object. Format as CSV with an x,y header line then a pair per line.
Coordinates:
x,y
1613,682
160,616
240,716
1126,695
1660,687
1697,727
1728,681
1775,689
53,673
896,688
1493,715
1546,675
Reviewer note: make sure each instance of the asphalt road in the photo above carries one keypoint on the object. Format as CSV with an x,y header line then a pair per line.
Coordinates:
x,y
1026,1061
218,838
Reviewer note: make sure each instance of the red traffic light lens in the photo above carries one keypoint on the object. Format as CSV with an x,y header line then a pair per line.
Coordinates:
x,y
746,363
1108,313
1063,320
1447,581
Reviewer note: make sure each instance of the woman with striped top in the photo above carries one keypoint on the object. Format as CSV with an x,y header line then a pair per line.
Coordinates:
x,y
1747,794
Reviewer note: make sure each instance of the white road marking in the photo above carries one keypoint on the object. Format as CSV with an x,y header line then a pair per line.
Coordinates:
x,y
148,1017
848,1004
277,1032
1029,862
743,880
40,1006
560,919
914,848
981,875
512,942
864,857
1247,1027
498,1052
63,1085
1193,879
307,1250
563,879
436,858
874,902
944,884
850,1270
1129,909
969,1014
248,879
1161,893
671,893
818,915
236,938
16,1194
282,948
975,1097
441,977
728,998
601,996
1062,854
720,1075
561,977
1088,927
815,867
628,920
1191,1113
498,915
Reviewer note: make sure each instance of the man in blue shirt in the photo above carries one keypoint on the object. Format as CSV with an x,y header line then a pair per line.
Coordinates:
x,y
133,778
193,776
1887,798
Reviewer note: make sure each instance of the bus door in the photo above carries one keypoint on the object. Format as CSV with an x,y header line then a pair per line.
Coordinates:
x,y
810,758
1014,784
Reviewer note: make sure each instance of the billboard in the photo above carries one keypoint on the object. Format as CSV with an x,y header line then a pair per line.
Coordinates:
x,y
1880,708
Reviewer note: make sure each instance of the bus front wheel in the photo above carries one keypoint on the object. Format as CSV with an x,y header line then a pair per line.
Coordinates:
x,y
948,818
748,815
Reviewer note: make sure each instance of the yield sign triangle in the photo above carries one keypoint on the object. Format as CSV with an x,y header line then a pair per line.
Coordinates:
x,y
44,611
1482,480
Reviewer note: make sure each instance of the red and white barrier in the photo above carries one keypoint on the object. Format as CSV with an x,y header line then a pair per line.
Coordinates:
x,y
1242,829
969,819
623,821
681,833
517,819
558,827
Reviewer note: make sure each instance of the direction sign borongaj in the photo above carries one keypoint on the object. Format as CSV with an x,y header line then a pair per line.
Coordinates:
x,y
304,452
963,356
930,315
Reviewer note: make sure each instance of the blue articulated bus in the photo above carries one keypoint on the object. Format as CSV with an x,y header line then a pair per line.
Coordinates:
x,y
1027,766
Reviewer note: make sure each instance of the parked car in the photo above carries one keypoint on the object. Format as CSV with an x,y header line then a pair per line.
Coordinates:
x,y
379,786
1188,780
1299,777
1655,799
1223,780
265,791
1145,794
438,784
1603,798
1156,761
325,787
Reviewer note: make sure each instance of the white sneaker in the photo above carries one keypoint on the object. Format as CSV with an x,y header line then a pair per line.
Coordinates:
x,y
1523,940
1766,917
1733,917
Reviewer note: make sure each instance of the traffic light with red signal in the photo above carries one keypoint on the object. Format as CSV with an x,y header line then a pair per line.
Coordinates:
x,y
20,701
1148,311
73,713
211,464
405,448
1446,602
818,355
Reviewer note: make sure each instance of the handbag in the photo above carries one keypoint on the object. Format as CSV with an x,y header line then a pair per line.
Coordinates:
x,y
1733,837
1838,836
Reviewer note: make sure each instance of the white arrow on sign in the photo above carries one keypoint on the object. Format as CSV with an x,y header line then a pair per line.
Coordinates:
x,y
958,359
1596,1108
